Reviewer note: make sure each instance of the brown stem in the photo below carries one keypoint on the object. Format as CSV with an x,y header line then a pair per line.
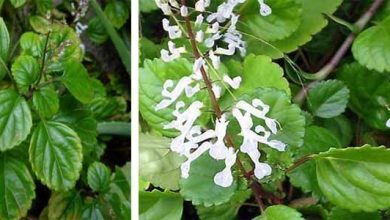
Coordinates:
x,y
216,106
343,49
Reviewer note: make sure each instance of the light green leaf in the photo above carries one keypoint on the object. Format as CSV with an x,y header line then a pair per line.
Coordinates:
x,y
226,211
316,140
261,72
4,46
372,47
117,12
148,6
99,177
369,91
152,77
341,214
40,24
55,155
44,6
355,178
160,205
17,188
281,23
18,3
160,166
77,81
199,187
280,212
121,208
312,21
122,180
32,44
15,119
328,99
65,205
25,71
45,100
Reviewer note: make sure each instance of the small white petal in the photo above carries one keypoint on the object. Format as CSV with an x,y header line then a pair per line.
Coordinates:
x,y
191,91
199,37
234,83
215,60
184,11
388,123
265,10
262,170
278,145
217,91
199,20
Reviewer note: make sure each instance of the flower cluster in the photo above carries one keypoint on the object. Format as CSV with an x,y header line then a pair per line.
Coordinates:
x,y
193,141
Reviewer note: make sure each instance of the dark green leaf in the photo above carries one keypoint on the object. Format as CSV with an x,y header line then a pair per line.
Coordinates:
x,y
15,119
96,31
65,205
341,214
45,100
55,155
117,12
280,212
99,177
4,46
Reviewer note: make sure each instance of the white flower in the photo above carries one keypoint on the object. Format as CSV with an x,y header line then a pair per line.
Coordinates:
x,y
213,29
196,69
172,96
201,5
234,83
388,123
199,37
215,60
185,167
225,177
219,150
217,90
199,20
222,51
265,10
173,52
164,6
209,42
174,31
184,11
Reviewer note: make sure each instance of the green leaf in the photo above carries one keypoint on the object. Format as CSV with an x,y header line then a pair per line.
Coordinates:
x,y
312,21
4,46
160,166
40,24
18,3
117,12
226,211
328,99
77,81
369,94
281,23
15,119
121,208
160,205
199,187
280,212
55,155
17,188
341,128
32,44
96,31
45,100
372,47
148,6
316,140
99,177
355,178
25,71
341,214
65,205
92,211
261,72
152,77
44,6
122,181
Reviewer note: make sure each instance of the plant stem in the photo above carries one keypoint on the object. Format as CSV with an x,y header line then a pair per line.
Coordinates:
x,y
114,128
342,51
120,46
41,71
217,108
299,162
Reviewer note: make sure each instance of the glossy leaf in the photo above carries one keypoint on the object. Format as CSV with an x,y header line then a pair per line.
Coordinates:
x,y
280,212
65,205
25,71
92,211
15,119
160,166
77,81
40,24
328,99
355,178
341,214
32,44
316,140
152,77
160,205
4,46
99,177
96,31
199,187
17,188
281,23
369,93
372,47
55,155
45,100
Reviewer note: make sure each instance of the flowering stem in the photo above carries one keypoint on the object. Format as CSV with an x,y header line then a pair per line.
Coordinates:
x,y
217,108
333,63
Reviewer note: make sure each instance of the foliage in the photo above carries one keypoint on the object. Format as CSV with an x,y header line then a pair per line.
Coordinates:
x,y
51,153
